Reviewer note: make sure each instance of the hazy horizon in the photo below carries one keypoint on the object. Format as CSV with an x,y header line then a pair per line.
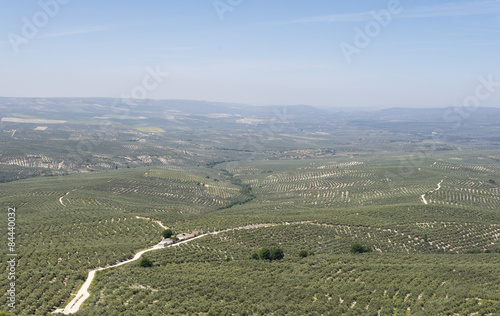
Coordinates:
x,y
336,108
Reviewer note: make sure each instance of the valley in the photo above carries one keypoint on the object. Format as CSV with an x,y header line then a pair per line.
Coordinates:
x,y
98,189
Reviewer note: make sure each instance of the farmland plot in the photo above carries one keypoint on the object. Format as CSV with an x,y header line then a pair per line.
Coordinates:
x,y
69,224
217,276
74,223
354,184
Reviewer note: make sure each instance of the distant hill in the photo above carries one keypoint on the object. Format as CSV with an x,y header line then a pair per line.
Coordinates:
x,y
86,109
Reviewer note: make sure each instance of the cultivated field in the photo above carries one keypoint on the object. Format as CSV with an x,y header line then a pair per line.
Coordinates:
x,y
426,210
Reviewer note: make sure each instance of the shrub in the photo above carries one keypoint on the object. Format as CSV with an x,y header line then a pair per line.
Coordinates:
x,y
303,253
358,248
474,251
277,254
145,262
265,254
269,254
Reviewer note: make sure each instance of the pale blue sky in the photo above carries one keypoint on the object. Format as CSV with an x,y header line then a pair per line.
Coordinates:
x,y
263,52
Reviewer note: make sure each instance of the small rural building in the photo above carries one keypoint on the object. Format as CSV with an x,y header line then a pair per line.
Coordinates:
x,y
184,236
166,242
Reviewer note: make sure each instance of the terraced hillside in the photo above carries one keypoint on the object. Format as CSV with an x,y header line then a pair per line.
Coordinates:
x,y
205,277
91,192
363,181
69,224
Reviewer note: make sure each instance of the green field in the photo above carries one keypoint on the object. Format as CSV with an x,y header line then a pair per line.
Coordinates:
x,y
69,224
430,216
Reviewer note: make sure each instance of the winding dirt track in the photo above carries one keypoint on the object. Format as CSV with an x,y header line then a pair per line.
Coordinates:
x,y
437,189
154,221
83,293
60,199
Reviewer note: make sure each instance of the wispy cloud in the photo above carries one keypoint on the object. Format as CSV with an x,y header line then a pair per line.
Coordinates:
x,y
348,17
455,9
181,48
450,9
415,46
85,30
72,32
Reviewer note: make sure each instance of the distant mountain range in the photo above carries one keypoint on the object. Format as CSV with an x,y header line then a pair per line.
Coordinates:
x,y
83,109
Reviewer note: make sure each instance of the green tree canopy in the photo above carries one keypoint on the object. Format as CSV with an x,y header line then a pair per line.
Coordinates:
x,y
265,254
167,233
358,248
145,262
277,254
269,254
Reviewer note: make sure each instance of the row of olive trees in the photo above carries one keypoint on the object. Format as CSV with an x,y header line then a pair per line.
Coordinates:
x,y
269,254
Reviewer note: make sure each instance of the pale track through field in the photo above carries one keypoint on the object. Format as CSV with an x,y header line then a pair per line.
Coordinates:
x,y
60,199
83,293
154,221
435,190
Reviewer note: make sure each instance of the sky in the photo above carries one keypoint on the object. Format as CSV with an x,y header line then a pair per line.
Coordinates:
x,y
324,53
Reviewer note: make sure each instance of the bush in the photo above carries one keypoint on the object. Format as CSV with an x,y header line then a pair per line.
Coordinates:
x,y
145,262
277,254
265,254
269,254
246,189
358,248
303,253
474,251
